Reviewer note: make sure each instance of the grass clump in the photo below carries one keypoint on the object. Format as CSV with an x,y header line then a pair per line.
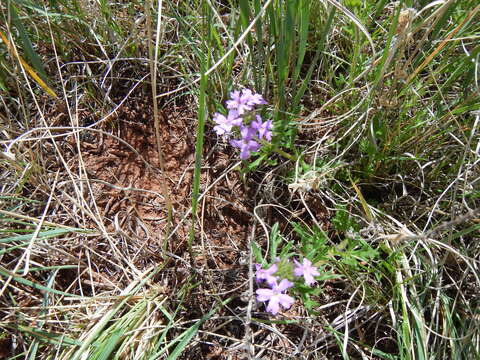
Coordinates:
x,y
130,230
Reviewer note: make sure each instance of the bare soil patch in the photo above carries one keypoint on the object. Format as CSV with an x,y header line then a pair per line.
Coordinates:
x,y
123,168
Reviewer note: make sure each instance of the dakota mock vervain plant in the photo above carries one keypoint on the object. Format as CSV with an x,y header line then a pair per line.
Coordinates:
x,y
275,295
306,270
241,117
266,274
225,124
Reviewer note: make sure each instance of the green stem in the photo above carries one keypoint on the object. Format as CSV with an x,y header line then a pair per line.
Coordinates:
x,y
278,150
285,154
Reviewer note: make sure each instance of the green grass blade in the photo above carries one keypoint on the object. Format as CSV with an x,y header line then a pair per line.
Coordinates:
x,y
304,22
7,274
192,331
41,235
27,46
321,45
53,338
202,115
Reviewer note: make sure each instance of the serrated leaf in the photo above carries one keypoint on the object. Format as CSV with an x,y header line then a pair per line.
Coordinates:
x,y
257,253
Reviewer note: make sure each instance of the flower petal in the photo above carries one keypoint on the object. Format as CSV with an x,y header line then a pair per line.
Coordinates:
x,y
236,143
285,300
272,269
284,285
264,294
273,305
309,280
271,280
266,274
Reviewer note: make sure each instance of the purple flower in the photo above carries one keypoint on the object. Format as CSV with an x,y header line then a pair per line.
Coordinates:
x,y
246,147
276,297
238,102
246,144
266,274
244,101
256,99
225,124
264,128
306,270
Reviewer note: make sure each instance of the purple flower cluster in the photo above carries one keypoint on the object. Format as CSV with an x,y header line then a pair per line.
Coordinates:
x,y
275,295
250,126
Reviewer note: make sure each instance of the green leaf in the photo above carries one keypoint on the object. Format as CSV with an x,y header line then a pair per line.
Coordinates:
x,y
343,221
257,253
275,240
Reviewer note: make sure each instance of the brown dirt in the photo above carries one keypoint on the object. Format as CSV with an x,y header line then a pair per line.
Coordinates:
x,y
112,166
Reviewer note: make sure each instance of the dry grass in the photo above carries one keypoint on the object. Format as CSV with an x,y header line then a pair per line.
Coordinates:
x,y
96,183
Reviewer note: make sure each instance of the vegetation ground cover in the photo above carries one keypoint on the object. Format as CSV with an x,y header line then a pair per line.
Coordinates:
x,y
131,229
